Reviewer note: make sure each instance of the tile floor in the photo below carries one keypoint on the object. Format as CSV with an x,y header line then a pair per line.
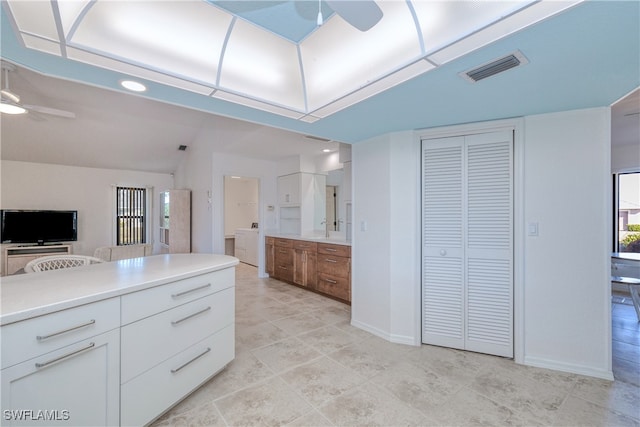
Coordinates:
x,y
299,362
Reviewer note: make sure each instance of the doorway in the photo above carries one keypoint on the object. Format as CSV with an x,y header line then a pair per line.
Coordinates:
x,y
242,218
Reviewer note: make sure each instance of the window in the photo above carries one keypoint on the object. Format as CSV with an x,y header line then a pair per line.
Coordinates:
x,y
627,212
131,215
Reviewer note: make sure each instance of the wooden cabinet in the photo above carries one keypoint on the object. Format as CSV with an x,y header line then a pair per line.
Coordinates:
x,y
321,267
334,270
175,221
15,258
66,363
304,263
283,259
269,253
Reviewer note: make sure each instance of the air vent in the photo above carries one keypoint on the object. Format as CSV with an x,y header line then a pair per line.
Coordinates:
x,y
492,68
182,147
317,138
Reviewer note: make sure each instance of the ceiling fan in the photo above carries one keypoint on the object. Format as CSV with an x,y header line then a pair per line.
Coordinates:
x,y
10,102
361,14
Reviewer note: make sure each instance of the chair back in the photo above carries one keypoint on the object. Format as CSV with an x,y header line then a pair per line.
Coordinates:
x,y
56,262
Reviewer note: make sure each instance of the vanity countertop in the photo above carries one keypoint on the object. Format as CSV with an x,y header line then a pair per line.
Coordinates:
x,y
319,239
34,294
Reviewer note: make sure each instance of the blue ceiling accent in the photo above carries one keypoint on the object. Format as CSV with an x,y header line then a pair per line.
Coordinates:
x,y
587,56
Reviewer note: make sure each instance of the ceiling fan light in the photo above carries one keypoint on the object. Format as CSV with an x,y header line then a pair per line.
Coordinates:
x,y
7,108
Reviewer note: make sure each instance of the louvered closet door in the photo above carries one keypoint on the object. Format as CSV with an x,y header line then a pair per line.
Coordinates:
x,y
467,256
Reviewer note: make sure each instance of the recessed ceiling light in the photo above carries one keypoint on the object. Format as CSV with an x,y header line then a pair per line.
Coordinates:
x,y
326,150
133,85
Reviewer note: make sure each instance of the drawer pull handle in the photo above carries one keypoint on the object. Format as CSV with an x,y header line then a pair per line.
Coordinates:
x,y
174,370
188,291
330,260
330,250
73,353
73,328
330,281
282,251
283,267
175,322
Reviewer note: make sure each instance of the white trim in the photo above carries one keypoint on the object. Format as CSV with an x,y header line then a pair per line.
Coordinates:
x,y
517,125
573,368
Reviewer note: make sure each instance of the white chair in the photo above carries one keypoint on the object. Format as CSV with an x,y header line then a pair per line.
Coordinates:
x,y
56,262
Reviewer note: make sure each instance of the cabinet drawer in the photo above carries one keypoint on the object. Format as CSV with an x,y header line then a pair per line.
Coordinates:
x,y
150,341
145,303
149,395
33,337
80,379
337,250
284,243
338,287
334,265
268,240
305,246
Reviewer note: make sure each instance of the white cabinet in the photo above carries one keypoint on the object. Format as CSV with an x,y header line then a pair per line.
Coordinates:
x,y
63,368
302,200
15,258
246,245
289,189
180,335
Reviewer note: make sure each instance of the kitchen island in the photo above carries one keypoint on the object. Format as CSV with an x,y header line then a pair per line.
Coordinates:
x,y
115,343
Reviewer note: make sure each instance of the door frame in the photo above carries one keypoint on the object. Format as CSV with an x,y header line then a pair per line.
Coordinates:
x,y
517,126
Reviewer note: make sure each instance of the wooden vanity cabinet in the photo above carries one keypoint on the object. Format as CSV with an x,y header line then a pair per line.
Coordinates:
x,y
304,263
283,259
269,253
334,270
321,267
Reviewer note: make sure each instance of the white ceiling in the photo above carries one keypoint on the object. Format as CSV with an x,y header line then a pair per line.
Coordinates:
x,y
122,131
585,57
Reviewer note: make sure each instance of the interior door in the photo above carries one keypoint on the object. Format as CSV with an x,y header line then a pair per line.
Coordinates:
x,y
467,278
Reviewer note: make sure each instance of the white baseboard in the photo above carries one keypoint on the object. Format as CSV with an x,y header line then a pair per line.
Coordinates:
x,y
396,339
568,367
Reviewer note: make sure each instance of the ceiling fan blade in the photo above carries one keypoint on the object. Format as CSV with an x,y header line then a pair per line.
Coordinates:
x,y
50,111
362,14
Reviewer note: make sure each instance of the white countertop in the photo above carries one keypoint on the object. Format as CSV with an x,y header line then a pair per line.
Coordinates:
x,y
34,294
319,239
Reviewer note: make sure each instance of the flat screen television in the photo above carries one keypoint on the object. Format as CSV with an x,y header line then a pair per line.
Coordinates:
x,y
38,226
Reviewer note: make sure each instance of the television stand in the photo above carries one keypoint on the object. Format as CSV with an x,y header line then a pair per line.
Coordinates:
x,y
15,258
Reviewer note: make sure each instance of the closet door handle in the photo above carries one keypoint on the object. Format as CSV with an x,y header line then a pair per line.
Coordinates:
x,y
73,328
174,370
176,322
64,356
188,291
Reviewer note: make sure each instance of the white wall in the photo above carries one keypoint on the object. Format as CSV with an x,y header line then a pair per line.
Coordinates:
x,y
88,190
626,158
565,307
194,173
240,203
567,267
